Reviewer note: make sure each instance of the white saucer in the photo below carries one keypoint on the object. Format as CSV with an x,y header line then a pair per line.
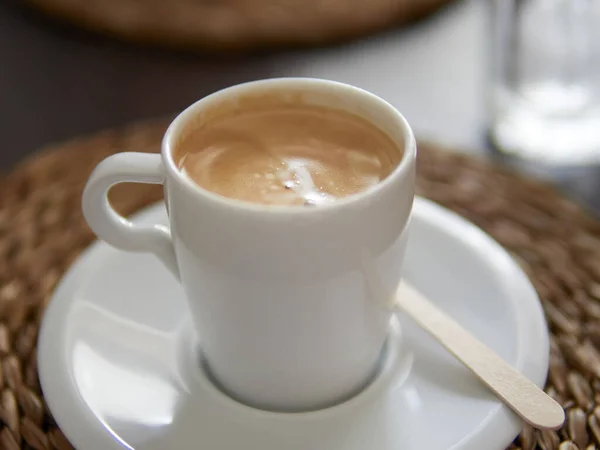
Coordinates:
x,y
117,358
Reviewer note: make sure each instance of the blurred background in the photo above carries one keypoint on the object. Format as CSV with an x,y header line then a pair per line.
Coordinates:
x,y
465,73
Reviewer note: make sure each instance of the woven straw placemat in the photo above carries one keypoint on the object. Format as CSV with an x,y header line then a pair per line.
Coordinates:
x,y
226,25
42,231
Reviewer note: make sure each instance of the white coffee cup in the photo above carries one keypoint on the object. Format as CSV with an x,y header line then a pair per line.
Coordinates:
x,y
289,302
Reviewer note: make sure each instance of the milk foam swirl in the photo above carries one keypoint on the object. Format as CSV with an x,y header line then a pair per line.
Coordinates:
x,y
297,155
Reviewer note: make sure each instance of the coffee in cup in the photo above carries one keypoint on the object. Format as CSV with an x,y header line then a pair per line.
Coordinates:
x,y
287,154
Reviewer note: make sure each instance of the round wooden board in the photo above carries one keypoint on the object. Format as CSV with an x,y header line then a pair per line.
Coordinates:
x,y
236,25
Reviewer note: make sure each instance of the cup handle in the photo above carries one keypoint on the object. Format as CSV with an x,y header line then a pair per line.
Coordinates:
x,y
115,229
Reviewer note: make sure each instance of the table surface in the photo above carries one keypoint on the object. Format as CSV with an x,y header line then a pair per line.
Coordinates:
x,y
58,82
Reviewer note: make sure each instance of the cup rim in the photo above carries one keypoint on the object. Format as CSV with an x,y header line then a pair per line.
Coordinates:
x,y
403,168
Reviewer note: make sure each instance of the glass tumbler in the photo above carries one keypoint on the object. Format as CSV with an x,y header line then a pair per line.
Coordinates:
x,y
544,85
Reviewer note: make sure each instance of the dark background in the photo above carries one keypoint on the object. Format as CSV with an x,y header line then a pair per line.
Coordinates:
x,y
57,82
